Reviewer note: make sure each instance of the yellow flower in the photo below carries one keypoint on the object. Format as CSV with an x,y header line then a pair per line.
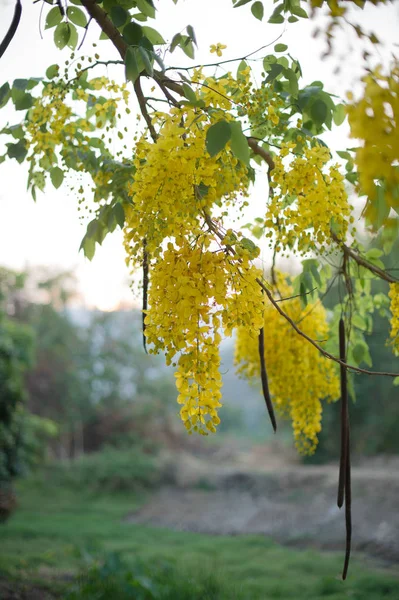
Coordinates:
x,y
217,48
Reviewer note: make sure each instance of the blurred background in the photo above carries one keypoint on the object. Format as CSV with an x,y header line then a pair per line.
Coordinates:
x,y
109,489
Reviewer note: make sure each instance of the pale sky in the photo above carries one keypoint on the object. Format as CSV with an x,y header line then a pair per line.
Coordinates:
x,y
49,231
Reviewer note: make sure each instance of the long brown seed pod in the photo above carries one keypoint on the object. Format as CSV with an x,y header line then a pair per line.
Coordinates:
x,y
263,375
344,483
344,417
348,509
145,290
12,29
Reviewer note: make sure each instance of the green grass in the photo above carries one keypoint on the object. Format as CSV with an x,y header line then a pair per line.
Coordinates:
x,y
54,530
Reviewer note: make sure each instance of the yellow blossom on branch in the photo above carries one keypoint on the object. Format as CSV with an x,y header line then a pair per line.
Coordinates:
x,y
217,48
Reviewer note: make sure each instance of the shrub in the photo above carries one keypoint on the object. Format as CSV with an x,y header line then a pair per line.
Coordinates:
x,y
110,470
119,581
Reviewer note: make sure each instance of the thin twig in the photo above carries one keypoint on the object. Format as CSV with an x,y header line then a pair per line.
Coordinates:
x,y
85,33
224,62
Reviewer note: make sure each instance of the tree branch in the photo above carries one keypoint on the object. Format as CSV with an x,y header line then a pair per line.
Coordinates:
x,y
100,16
143,108
363,262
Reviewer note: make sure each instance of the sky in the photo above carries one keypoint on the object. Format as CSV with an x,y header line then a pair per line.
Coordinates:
x,y
49,231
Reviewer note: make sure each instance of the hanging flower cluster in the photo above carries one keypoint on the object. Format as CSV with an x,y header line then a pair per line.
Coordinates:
x,y
374,120
299,377
177,181
195,294
309,200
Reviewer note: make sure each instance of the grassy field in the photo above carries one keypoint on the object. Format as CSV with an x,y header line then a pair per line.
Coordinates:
x,y
55,532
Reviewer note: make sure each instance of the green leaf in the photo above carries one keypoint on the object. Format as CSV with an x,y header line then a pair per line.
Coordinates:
x,y
119,214
239,143
145,43
318,111
274,71
241,3
146,7
292,80
292,19
189,93
280,47
77,16
5,94
241,67
16,131
62,34
344,154
187,46
133,64
140,17
54,17
56,176
20,84
17,151
21,100
175,41
147,60
276,18
298,11
52,71
88,246
339,114
217,137
132,33
118,15
73,38
396,381
257,10
361,353
153,35
191,34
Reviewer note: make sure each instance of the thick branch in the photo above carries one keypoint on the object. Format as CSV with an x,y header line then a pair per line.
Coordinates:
x,y
100,16
253,144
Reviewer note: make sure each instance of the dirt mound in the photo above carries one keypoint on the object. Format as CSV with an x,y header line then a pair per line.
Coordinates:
x,y
292,504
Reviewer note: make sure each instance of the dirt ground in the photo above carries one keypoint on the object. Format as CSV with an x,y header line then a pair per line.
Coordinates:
x,y
256,492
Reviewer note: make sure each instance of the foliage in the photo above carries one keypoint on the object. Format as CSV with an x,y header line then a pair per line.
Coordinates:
x,y
111,470
114,577
57,530
201,279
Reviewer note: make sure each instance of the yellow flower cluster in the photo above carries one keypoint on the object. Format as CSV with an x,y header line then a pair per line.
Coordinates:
x,y
299,377
49,124
308,200
218,49
394,296
375,121
194,293
176,180
52,126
